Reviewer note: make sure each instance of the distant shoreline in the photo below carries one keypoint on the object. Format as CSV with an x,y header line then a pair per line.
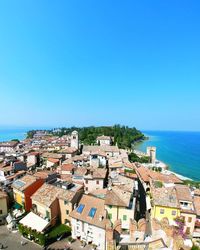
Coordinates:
x,y
21,133
180,176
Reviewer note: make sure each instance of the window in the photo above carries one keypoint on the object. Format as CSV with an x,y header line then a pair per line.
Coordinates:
x,y
162,211
173,212
124,217
189,219
80,208
110,216
66,221
86,181
1,211
86,189
67,211
188,230
97,182
47,214
65,202
92,212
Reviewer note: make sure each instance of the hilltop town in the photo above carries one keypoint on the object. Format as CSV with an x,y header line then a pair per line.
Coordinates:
x,y
62,193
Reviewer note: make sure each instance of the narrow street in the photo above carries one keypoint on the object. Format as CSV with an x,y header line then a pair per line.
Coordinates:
x,y
141,201
148,231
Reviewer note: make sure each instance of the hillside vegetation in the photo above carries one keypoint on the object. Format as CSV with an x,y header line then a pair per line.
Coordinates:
x,y
124,136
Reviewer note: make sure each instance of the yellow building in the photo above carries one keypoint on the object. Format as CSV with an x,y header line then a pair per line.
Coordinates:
x,y
120,205
45,202
67,201
160,212
53,203
165,204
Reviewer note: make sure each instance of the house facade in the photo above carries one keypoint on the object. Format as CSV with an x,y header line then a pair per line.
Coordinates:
x,y
88,221
120,205
94,179
104,140
68,200
24,188
188,212
165,204
8,147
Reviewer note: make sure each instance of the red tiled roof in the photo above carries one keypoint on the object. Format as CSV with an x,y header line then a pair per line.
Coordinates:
x,y
53,160
67,167
146,175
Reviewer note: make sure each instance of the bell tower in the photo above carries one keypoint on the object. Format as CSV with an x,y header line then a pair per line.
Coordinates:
x,y
75,140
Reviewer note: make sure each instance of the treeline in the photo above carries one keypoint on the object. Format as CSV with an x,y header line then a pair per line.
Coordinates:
x,y
123,135
30,134
135,158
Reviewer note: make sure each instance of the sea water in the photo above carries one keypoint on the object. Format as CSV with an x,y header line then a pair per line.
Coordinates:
x,y
179,150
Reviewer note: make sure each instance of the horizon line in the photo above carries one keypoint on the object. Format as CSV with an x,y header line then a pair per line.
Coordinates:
x,y
46,127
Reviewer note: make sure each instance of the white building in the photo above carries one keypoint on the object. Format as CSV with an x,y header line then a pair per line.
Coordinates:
x,y
8,147
110,151
52,163
104,140
88,221
69,152
94,179
74,140
32,158
98,159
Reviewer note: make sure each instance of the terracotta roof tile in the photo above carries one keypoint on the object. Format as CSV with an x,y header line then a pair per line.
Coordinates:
x,y
95,173
53,160
67,167
47,194
88,202
24,182
183,193
165,197
118,197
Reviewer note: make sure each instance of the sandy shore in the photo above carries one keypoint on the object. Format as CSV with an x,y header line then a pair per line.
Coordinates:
x,y
183,178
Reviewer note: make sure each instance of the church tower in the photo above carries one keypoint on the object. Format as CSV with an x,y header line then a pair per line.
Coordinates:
x,y
151,152
75,140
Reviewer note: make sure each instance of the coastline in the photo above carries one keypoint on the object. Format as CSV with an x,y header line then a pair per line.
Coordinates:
x,y
161,163
179,150
181,177
164,165
9,134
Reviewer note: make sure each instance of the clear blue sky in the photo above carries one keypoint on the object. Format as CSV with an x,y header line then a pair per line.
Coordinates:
x,y
99,63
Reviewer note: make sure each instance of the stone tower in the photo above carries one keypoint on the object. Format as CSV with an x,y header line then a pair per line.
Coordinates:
x,y
151,152
75,140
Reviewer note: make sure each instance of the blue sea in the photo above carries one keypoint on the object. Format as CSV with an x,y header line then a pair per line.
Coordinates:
x,y
179,150
7,134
